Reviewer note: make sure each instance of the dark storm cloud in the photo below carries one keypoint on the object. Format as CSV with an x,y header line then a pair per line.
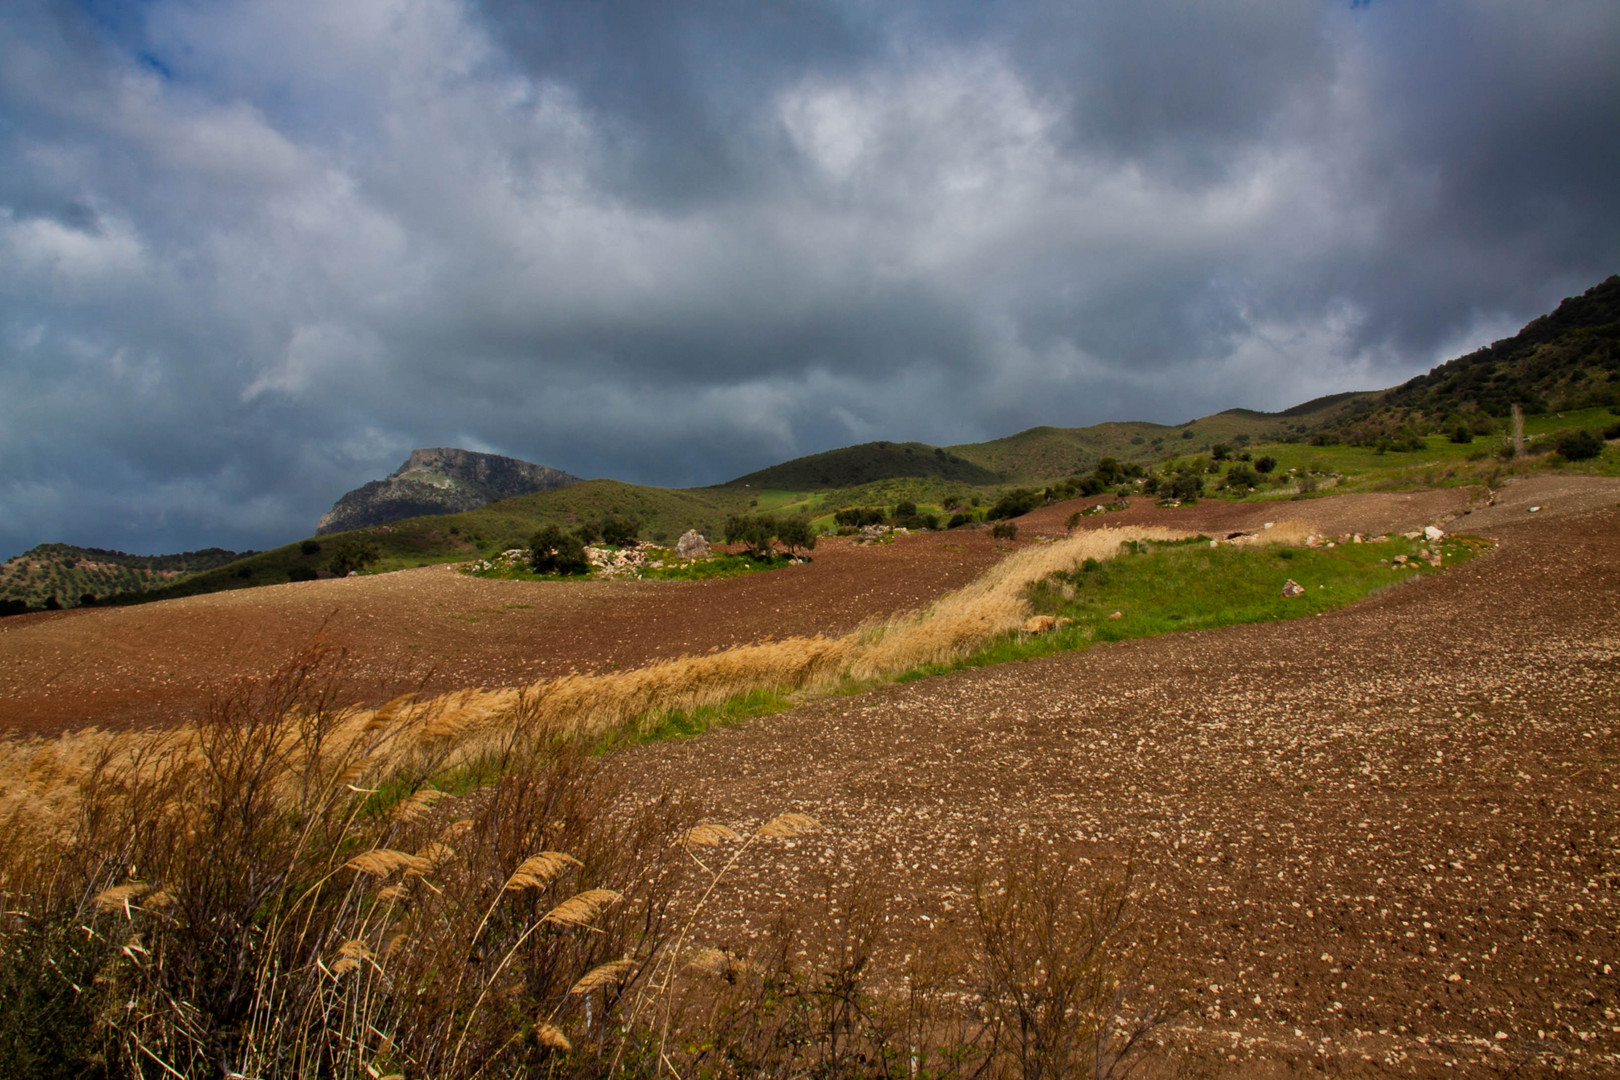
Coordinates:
x,y
251,254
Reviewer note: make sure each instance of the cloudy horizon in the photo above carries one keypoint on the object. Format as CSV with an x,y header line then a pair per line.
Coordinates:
x,y
252,254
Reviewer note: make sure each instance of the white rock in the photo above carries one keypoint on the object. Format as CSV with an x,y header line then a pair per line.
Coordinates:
x,y
1431,534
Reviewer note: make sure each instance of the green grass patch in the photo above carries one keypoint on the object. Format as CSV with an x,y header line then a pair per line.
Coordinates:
x,y
684,723
1162,588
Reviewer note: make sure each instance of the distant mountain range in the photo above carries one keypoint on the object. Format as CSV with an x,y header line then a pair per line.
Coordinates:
x,y
441,480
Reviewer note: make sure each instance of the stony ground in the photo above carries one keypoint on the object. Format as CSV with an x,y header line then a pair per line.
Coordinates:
x,y
1384,841
438,629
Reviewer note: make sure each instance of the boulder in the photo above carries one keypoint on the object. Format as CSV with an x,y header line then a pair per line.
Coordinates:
x,y
691,545
1292,588
1431,534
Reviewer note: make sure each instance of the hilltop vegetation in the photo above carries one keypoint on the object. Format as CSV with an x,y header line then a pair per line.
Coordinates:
x,y
70,575
1567,360
853,466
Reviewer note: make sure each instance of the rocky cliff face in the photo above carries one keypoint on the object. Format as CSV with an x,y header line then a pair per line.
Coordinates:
x,y
440,481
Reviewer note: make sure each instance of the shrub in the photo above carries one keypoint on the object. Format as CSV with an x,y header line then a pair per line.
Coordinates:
x,y
310,547
353,555
301,573
1612,431
1265,464
1015,503
589,532
552,551
1580,445
1005,530
1185,486
905,508
958,520
619,532
1241,476
1220,451
1462,434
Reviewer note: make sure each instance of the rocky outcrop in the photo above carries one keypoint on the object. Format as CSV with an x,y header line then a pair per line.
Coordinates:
x,y
692,545
440,481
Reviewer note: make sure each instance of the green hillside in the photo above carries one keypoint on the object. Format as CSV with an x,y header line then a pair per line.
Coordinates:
x,y
852,466
1564,361
1043,454
69,573
662,513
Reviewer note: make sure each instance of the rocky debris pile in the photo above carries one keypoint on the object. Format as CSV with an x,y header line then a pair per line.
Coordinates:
x,y
510,559
880,534
622,562
692,545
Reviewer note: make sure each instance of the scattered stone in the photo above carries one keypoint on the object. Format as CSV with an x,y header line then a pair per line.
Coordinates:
x,y
692,545
1431,534
1357,539
1116,614
1292,588
1269,524
1399,559
1533,509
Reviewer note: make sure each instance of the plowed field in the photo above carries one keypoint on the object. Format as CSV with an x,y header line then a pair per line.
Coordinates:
x,y
1385,841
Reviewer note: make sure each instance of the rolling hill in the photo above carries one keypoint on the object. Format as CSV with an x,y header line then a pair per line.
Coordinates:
x,y
69,574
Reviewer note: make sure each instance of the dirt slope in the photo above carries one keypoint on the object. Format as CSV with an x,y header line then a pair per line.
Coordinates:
x,y
1385,841
153,663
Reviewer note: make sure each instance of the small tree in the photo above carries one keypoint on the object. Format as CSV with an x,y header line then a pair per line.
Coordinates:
x,y
796,533
905,508
755,532
1005,530
552,551
353,555
1265,464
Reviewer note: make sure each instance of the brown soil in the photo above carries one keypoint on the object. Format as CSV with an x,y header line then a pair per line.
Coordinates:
x,y
437,629
1385,841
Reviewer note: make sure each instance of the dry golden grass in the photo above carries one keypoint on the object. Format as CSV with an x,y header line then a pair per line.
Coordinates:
x,y
41,780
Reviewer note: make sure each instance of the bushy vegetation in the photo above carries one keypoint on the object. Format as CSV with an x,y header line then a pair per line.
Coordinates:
x,y
552,551
354,554
759,532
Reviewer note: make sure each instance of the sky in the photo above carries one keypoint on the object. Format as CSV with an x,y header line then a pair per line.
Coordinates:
x,y
251,253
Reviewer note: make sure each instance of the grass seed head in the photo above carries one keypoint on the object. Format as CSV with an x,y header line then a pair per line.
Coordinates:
x,y
709,834
537,871
790,824
582,909
603,975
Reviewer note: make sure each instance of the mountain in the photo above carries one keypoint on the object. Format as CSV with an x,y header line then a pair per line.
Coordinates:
x,y
852,466
439,481
70,574
1568,359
